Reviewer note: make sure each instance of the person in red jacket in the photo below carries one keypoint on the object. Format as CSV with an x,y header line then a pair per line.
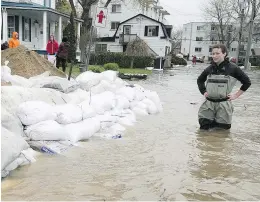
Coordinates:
x,y
52,48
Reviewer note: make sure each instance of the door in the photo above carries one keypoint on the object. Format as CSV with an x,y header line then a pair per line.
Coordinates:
x,y
127,29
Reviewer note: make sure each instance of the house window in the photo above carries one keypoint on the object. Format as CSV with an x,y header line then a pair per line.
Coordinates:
x,y
210,49
151,31
11,26
114,25
26,29
116,8
233,49
213,28
199,38
199,27
100,48
47,3
198,49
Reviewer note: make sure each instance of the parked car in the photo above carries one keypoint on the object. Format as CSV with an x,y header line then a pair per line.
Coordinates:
x,y
200,59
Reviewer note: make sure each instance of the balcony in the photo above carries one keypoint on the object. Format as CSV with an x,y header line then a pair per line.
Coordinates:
x,y
126,38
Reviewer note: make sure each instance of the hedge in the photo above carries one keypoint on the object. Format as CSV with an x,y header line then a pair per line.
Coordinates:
x,y
121,59
178,61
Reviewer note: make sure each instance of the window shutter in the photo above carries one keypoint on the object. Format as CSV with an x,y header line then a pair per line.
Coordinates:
x,y
16,23
23,27
157,30
30,30
146,31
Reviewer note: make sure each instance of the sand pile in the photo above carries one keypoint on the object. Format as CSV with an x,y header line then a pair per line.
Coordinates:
x,y
26,63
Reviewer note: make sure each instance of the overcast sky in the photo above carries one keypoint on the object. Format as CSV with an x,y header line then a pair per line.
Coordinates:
x,y
183,11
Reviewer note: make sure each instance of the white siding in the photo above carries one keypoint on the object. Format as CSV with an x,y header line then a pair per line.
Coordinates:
x,y
138,27
128,9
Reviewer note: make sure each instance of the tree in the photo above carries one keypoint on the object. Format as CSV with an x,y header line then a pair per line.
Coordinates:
x,y
135,48
63,6
176,38
72,39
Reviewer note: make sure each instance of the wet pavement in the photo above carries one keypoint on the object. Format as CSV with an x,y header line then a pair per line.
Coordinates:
x,y
162,157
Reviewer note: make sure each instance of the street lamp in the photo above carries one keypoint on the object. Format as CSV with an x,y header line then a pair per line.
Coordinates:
x,y
242,5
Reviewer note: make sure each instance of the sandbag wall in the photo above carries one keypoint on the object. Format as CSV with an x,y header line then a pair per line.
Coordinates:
x,y
46,108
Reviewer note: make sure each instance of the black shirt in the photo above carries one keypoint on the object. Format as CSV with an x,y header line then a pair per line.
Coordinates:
x,y
224,68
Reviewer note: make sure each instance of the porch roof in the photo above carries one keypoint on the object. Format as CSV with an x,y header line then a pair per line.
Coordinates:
x,y
33,6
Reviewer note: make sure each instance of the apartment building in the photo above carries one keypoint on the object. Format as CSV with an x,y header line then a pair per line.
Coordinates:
x,y
199,37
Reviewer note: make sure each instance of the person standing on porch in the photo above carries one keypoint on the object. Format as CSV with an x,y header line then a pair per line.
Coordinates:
x,y
62,54
14,41
52,48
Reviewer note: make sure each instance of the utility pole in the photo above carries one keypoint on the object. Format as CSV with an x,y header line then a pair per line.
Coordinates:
x,y
251,27
242,4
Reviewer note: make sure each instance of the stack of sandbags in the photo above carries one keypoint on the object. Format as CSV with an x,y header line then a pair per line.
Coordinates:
x,y
44,122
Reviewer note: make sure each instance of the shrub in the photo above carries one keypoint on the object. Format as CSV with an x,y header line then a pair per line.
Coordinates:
x,y
178,61
96,69
121,59
111,66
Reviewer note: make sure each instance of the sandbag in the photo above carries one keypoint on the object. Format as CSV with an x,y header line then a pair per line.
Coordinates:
x,y
57,83
20,81
120,83
11,147
150,106
40,76
140,111
89,79
26,157
103,102
109,75
78,96
107,120
11,122
33,112
5,72
87,110
68,113
153,96
46,130
127,92
102,87
122,102
83,130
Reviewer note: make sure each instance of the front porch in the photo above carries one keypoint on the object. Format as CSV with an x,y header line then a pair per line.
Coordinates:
x,y
34,24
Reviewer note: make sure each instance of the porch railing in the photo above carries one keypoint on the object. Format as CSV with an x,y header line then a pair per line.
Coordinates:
x,y
126,38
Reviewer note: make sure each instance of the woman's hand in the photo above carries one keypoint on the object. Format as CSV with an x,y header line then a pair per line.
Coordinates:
x,y
206,94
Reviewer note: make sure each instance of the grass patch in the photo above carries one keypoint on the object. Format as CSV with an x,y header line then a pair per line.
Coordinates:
x,y
255,67
135,71
96,68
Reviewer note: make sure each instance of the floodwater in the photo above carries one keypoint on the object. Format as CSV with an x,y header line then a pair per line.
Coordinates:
x,y
163,157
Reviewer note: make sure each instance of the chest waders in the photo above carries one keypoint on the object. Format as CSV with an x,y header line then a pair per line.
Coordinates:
x,y
217,110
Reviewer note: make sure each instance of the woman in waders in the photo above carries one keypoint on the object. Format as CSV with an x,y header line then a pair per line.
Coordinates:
x,y
220,78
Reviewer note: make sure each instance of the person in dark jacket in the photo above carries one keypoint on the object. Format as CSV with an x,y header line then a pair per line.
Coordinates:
x,y
220,78
62,54
4,45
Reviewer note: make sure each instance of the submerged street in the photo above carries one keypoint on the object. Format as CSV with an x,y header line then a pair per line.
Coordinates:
x,y
162,157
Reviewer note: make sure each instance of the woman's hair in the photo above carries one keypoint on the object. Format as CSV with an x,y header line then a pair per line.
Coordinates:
x,y
64,39
222,47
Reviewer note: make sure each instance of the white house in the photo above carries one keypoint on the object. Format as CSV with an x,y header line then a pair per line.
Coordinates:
x,y
154,33
35,21
127,20
199,37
